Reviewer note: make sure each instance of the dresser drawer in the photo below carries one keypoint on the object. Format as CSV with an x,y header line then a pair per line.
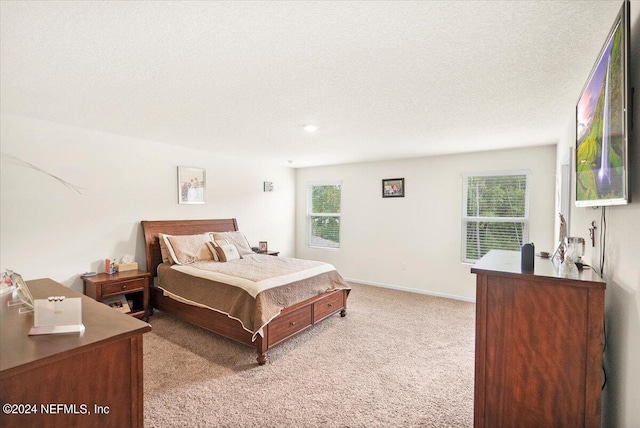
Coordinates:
x,y
122,286
328,305
286,325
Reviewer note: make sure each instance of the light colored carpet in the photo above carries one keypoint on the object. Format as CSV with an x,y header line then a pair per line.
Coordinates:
x,y
397,359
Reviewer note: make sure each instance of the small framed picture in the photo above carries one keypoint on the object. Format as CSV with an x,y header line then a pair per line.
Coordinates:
x,y
262,247
191,185
393,188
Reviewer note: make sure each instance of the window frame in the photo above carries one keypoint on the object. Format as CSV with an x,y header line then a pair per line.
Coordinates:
x,y
310,214
525,220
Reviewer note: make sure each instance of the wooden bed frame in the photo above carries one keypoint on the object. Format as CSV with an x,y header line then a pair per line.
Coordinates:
x,y
291,321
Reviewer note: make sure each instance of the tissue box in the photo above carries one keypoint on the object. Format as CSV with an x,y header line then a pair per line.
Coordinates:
x,y
123,267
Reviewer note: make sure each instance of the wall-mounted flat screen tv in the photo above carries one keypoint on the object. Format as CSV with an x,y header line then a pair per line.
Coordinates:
x,y
602,127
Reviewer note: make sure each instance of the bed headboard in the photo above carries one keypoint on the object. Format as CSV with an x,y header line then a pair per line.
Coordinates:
x,y
151,229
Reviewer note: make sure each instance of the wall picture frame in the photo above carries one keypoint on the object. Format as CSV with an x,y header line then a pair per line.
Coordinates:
x,y
191,185
393,188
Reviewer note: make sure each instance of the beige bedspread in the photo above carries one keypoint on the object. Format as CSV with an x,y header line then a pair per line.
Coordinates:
x,y
252,290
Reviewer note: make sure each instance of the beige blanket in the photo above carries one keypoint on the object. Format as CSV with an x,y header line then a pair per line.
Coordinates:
x,y
252,290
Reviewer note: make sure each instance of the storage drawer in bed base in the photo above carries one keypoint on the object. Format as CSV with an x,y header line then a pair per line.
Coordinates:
x,y
291,320
302,316
288,324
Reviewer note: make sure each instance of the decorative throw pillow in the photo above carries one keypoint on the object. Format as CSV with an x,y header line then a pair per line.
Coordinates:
x,y
212,247
227,252
237,238
186,249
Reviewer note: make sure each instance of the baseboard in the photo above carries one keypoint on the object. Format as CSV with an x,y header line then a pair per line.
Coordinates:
x,y
411,290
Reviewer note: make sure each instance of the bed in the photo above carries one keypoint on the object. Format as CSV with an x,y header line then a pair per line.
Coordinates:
x,y
264,332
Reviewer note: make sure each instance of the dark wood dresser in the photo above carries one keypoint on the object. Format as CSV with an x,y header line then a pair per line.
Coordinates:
x,y
93,378
539,344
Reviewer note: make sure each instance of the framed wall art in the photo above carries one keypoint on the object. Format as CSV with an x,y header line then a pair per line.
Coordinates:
x,y
393,188
191,185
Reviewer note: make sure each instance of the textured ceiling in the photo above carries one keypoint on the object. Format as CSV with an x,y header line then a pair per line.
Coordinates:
x,y
380,79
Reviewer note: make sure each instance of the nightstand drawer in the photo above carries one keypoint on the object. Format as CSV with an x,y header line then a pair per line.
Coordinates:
x,y
122,286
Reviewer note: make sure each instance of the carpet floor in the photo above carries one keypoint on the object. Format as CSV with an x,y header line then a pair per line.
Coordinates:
x,y
397,359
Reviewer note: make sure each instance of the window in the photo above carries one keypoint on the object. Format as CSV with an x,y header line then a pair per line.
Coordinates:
x,y
495,213
323,215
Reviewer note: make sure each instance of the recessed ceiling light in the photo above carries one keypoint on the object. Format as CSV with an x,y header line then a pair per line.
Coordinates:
x,y
310,128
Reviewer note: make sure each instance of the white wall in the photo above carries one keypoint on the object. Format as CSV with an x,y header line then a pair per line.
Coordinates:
x,y
622,267
49,230
415,242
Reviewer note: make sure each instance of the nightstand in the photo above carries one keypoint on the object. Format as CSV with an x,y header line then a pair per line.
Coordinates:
x,y
270,253
133,284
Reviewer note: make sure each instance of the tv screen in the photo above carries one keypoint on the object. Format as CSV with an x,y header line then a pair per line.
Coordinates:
x,y
602,129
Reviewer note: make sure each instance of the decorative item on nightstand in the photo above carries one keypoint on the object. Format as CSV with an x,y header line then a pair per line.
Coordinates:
x,y
262,247
127,263
110,266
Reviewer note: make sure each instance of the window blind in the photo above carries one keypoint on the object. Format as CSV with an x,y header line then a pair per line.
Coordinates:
x,y
323,215
495,213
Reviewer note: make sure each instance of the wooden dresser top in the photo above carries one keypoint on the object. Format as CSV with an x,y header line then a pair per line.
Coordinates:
x,y
19,351
507,263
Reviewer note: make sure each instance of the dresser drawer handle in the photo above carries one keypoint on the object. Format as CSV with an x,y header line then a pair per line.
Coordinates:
x,y
124,287
329,305
292,323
